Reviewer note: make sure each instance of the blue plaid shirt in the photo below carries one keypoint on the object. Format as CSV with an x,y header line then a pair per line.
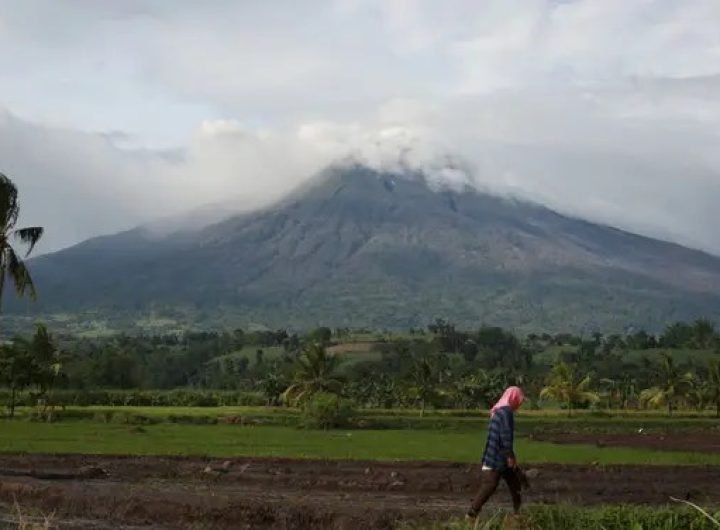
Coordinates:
x,y
499,446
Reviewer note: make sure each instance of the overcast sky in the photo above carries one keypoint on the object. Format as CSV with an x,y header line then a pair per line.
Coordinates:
x,y
115,113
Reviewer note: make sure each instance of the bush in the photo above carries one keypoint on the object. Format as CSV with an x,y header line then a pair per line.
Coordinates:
x,y
327,411
142,398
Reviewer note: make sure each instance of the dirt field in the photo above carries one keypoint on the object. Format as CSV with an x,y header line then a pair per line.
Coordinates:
x,y
354,347
703,442
164,493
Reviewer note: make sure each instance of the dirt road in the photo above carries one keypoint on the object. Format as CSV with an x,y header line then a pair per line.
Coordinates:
x,y
181,493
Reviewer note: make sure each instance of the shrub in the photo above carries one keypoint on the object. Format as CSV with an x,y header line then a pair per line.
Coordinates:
x,y
327,411
142,398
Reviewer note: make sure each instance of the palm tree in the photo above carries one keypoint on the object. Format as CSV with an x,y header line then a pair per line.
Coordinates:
x,y
12,265
674,386
566,386
315,373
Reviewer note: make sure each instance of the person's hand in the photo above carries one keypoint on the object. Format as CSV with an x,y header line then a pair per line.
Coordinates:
x,y
512,463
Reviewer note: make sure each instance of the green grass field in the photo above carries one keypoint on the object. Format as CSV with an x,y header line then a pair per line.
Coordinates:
x,y
450,421
232,440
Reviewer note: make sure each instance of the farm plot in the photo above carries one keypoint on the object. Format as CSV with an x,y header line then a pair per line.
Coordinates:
x,y
699,442
192,492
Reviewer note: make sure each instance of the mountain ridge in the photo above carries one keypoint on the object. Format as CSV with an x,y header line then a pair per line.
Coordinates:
x,y
360,247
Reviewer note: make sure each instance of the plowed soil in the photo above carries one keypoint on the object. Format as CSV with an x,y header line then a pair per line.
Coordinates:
x,y
702,442
178,493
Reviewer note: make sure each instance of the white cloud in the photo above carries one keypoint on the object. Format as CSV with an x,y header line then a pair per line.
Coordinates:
x,y
608,109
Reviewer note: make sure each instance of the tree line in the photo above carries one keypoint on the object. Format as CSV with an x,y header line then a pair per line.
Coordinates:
x,y
440,366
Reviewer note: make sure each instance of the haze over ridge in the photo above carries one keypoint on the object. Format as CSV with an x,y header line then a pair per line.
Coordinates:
x,y
121,114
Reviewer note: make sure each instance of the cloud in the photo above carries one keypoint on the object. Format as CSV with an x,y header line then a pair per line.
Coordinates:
x,y
122,112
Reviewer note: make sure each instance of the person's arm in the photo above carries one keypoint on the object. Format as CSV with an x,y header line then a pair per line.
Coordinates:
x,y
507,438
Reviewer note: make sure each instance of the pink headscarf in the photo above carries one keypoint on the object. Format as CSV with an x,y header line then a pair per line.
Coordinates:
x,y
512,397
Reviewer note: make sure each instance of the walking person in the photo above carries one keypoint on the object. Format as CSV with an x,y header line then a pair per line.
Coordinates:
x,y
499,461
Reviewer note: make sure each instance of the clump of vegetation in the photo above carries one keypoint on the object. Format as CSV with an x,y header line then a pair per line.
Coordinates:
x,y
561,517
565,386
35,364
673,386
316,372
327,411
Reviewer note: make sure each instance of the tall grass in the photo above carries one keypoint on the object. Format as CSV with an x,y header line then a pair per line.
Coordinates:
x,y
19,520
561,517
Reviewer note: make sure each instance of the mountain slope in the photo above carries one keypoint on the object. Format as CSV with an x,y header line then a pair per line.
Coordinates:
x,y
361,248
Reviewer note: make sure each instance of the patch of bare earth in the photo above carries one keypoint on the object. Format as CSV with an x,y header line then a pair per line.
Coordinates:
x,y
704,442
185,493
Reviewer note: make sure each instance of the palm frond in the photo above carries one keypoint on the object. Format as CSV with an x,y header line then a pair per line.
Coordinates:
x,y
9,210
292,394
592,397
19,273
654,397
551,392
3,273
583,385
30,236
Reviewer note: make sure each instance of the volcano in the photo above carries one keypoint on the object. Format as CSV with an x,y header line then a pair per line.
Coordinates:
x,y
358,247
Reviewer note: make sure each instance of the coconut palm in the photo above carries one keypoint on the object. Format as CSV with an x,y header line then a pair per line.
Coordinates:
x,y
316,372
566,386
673,388
12,266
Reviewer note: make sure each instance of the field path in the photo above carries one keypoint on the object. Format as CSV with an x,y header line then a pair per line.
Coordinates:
x,y
163,492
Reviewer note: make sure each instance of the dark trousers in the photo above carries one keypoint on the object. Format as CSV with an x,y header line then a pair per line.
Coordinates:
x,y
490,481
